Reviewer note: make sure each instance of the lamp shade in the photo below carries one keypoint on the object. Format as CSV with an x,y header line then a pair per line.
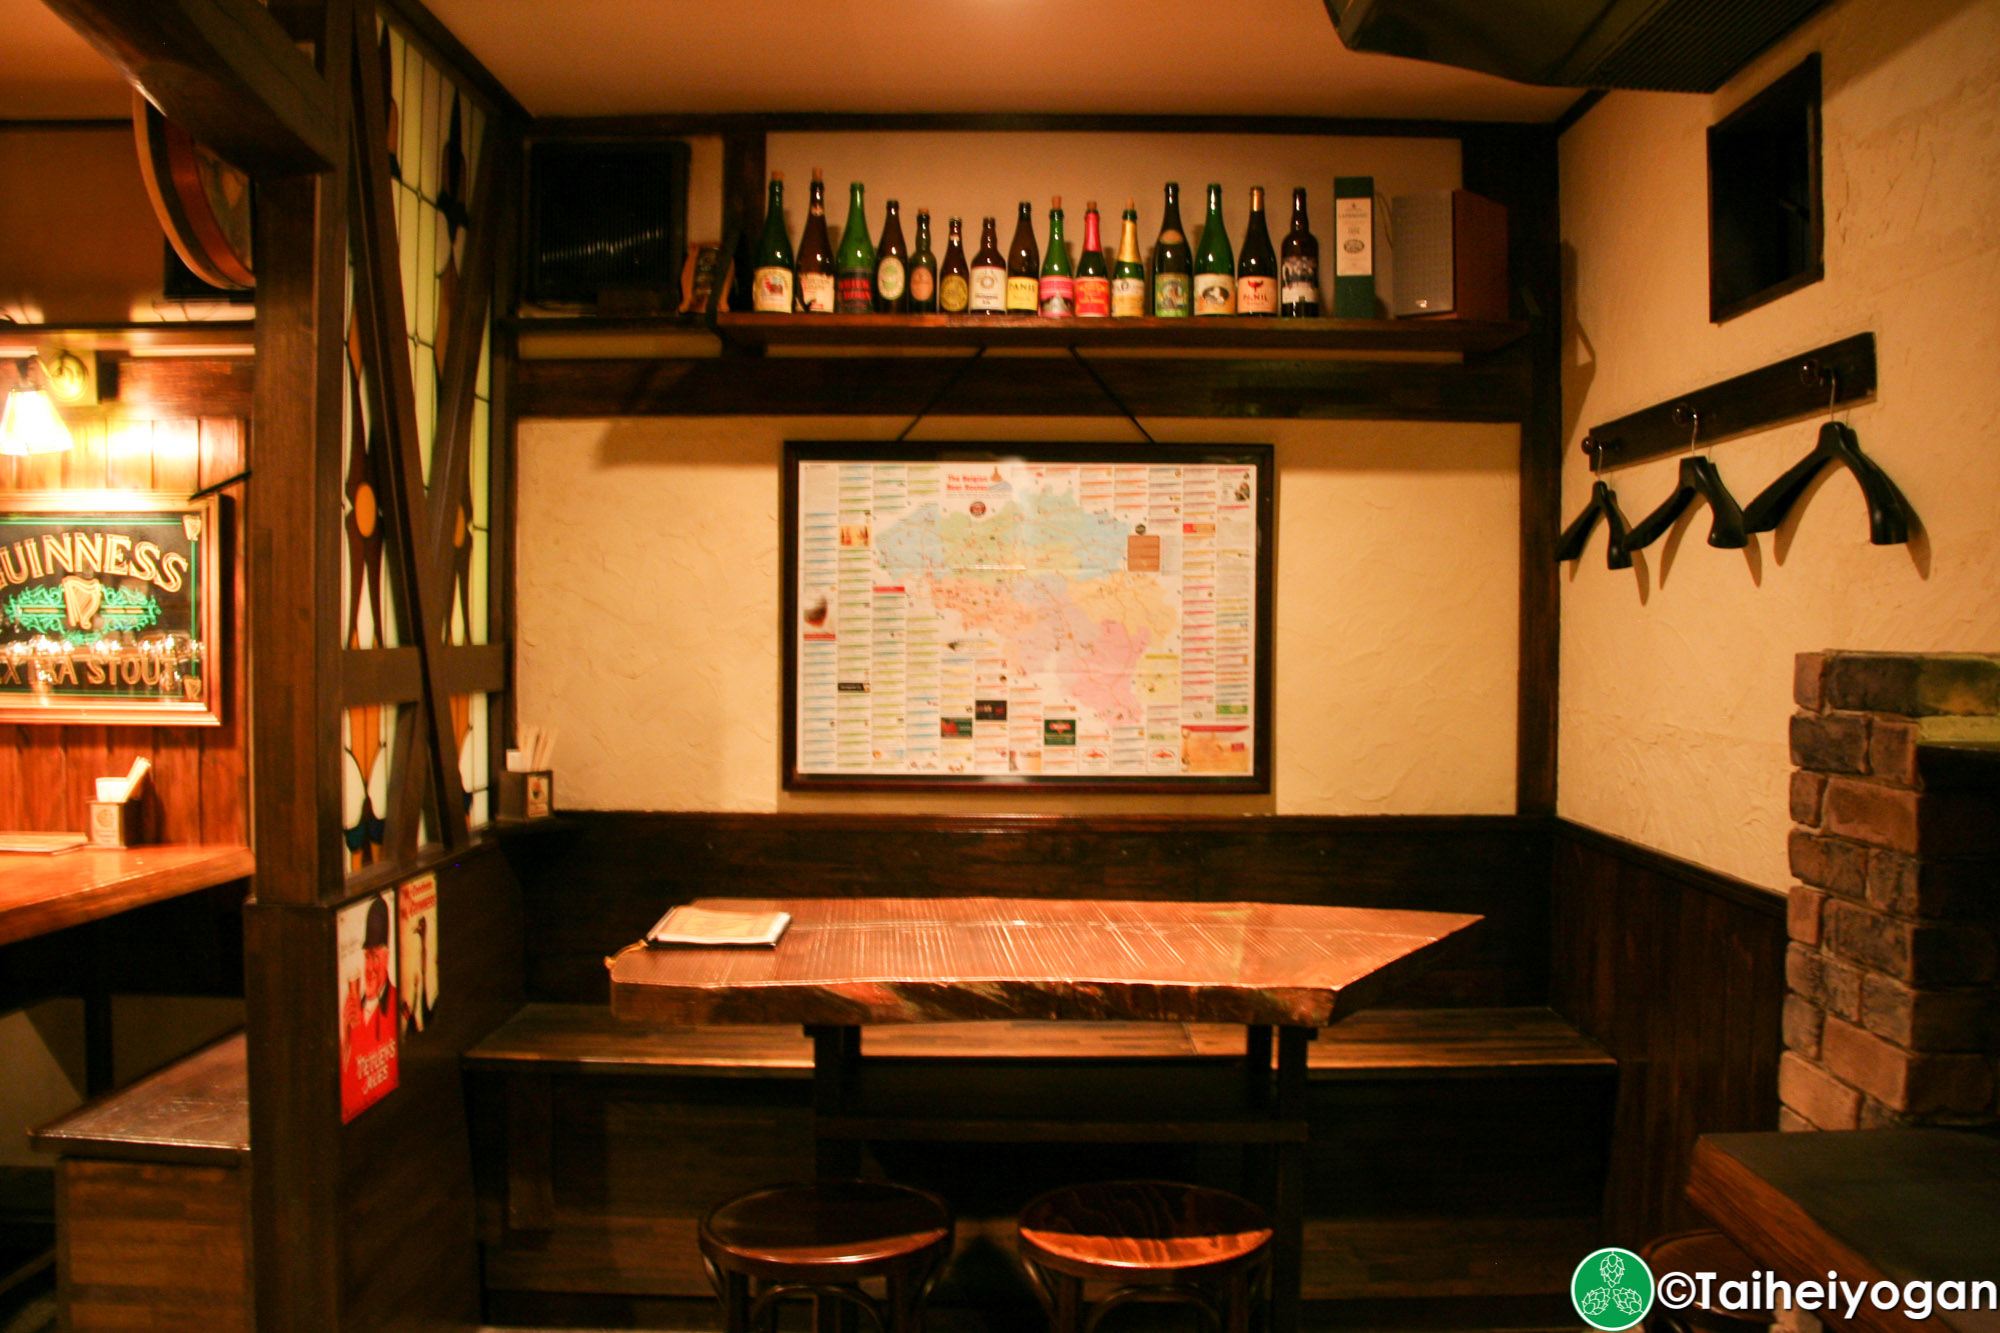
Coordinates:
x,y
31,425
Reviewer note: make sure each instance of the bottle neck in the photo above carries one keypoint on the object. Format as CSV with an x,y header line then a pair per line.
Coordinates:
x,y
818,205
777,196
923,231
1055,224
1128,239
955,233
1214,203
1298,210
1091,239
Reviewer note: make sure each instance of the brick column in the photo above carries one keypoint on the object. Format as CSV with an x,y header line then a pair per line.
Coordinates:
x,y
1893,1011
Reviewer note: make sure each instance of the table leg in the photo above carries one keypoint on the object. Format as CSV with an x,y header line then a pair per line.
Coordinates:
x,y
836,1058
1288,1218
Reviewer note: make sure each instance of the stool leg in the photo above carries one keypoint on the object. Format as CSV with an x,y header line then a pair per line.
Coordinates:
x,y
735,1303
1236,1313
1066,1303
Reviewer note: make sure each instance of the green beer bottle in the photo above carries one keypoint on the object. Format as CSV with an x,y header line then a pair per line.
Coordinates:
x,y
854,264
1056,294
1173,262
771,279
1214,263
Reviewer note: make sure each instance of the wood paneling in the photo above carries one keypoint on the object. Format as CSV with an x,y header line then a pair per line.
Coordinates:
x,y
153,1246
1679,972
595,882
199,787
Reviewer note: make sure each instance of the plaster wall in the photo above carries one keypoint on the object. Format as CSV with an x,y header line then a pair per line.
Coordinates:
x,y
1676,674
78,240
649,630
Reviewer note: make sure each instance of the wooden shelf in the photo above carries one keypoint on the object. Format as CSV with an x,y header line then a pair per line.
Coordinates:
x,y
1234,333
39,894
227,337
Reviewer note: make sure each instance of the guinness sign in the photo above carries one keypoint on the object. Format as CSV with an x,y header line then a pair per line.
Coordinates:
x,y
109,609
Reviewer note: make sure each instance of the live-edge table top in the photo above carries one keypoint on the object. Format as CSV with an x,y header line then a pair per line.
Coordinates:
x,y
846,961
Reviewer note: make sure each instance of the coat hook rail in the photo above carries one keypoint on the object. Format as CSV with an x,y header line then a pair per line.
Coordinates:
x,y
1798,386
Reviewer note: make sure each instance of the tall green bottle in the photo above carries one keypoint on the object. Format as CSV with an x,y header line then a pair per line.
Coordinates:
x,y
771,279
854,262
1173,262
1056,294
1214,263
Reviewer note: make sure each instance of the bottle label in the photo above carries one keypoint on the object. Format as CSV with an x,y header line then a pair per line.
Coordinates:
x,y
816,292
954,295
1093,296
1354,238
1301,275
771,290
1214,294
1057,295
1023,293
1128,298
989,288
1170,294
889,278
923,282
854,293
1257,295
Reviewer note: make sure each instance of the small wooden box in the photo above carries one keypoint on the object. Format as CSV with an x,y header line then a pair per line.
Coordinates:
x,y
527,795
113,823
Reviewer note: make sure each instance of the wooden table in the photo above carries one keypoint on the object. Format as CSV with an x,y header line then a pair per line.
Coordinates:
x,y
1897,1205
39,894
846,962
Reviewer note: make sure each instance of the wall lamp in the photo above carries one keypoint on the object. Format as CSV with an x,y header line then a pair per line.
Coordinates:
x,y
31,425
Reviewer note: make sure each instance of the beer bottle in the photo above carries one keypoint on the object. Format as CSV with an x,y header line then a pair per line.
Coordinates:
x,y
923,268
814,268
1257,266
771,279
892,280
1214,263
954,277
1093,279
854,265
1173,262
1024,265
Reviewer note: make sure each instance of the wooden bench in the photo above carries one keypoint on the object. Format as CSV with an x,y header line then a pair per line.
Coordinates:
x,y
1455,1151
153,1193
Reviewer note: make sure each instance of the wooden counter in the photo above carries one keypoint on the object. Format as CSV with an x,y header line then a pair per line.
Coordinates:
x,y
39,894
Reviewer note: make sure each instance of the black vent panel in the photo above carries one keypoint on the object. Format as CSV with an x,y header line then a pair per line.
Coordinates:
x,y
1694,45
607,224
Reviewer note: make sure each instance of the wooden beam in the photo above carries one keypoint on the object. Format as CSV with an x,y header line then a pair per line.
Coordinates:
x,y
774,122
396,675
378,297
223,70
1020,386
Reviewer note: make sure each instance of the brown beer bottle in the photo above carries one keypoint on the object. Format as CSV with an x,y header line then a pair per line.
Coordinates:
x,y
1024,266
815,261
954,276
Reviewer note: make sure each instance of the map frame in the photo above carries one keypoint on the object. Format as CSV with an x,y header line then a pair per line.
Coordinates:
x,y
1259,458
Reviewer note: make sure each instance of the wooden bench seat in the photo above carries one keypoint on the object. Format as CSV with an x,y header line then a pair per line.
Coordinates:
x,y
1376,1043
153,1191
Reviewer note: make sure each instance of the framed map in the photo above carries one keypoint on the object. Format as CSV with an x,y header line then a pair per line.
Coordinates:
x,y
1094,617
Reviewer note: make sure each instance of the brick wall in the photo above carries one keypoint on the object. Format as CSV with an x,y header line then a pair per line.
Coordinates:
x,y
1893,1010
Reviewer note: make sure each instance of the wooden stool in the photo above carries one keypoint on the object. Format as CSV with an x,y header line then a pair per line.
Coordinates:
x,y
1702,1252
822,1240
1154,1241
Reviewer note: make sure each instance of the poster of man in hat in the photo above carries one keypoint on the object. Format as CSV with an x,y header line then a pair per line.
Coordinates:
x,y
366,947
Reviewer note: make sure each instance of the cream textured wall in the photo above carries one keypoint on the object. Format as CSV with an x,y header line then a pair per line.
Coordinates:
x,y
649,630
1676,674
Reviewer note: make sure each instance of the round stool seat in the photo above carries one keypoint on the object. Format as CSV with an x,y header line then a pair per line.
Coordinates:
x,y
831,1229
1705,1252
1126,1230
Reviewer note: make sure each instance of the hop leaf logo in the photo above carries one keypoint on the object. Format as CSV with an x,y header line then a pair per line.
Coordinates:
x,y
1612,1289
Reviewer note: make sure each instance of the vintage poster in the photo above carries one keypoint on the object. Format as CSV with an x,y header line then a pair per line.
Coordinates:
x,y
418,975
1058,619
365,946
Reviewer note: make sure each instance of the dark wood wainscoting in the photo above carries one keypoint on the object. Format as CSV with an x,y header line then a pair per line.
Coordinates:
x,y
1679,972
394,1250
594,882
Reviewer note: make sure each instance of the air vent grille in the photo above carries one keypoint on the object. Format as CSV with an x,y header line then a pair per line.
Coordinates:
x,y
608,223
1694,45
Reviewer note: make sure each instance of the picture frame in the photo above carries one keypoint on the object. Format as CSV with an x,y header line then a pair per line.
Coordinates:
x,y
110,608
1075,616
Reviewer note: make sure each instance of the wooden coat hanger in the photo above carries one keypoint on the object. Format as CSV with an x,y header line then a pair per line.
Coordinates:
x,y
1569,546
1889,514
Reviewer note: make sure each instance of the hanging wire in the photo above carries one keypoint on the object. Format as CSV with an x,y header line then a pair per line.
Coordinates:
x,y
1091,371
951,382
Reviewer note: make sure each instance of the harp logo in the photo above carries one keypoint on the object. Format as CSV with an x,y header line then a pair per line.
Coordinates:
x,y
1612,1289
81,610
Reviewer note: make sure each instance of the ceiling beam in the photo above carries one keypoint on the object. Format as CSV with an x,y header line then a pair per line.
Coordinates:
x,y
223,70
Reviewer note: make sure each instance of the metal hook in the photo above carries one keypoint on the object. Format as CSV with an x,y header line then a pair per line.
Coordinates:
x,y
1686,415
